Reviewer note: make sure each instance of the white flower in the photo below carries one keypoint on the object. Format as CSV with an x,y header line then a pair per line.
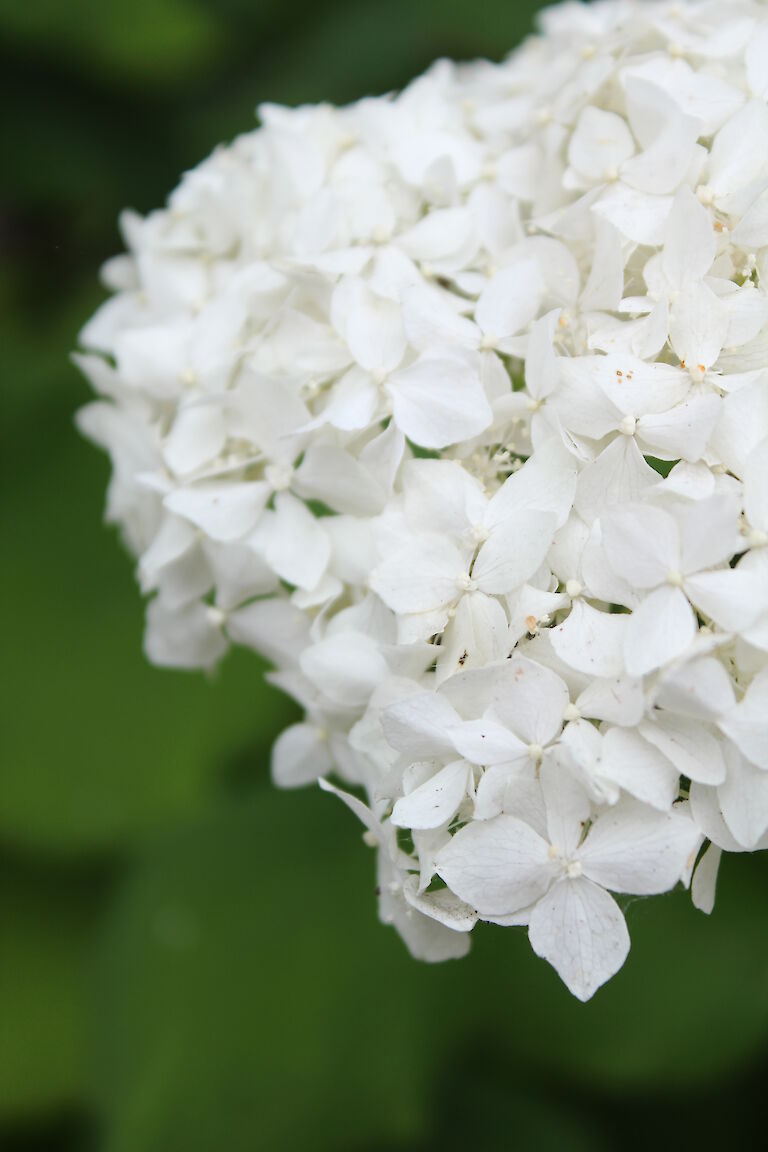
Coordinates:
x,y
452,405
554,877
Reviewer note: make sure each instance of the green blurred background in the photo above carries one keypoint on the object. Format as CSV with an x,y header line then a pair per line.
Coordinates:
x,y
190,960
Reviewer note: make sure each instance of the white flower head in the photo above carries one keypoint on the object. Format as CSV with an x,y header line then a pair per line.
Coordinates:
x,y
453,405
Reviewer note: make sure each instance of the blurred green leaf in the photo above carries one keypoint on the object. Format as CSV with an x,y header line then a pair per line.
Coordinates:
x,y
238,1004
47,925
244,968
155,41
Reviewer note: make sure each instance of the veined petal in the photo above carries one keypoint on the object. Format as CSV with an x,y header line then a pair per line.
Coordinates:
x,y
639,768
580,930
744,800
567,806
511,300
632,848
441,906
438,402
435,801
687,745
513,551
698,325
531,701
497,866
423,575
690,242
591,641
642,543
661,628
747,723
683,432
421,726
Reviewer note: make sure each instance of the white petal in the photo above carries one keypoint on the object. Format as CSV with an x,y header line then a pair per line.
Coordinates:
x,y
441,906
361,810
531,701
345,667
442,496
540,362
732,597
270,415
756,56
432,319
581,931
701,689
744,800
546,483
619,701
636,388
709,532
618,475
698,93
476,635
591,641
332,475
273,627
638,216
694,752
513,551
238,574
352,403
705,879
642,543
755,478
706,814
444,238
511,300
698,325
188,637
435,801
739,149
747,723
421,726
224,511
632,848
497,866
664,163
375,334
438,402
690,243
488,742
683,432
600,143
661,628
295,545
639,768
752,230
299,755
567,806
605,286
421,577
172,540
510,788
197,436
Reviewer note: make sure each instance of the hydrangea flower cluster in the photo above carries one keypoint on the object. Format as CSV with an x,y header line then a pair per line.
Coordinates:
x,y
454,405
